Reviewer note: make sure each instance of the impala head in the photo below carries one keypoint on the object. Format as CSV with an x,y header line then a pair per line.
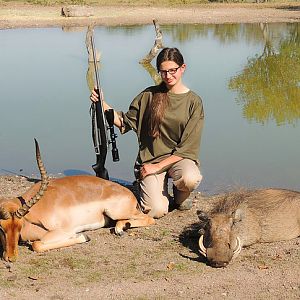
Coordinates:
x,y
218,241
12,215
10,228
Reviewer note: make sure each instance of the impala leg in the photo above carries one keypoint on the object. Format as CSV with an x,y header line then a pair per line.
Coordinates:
x,y
134,221
58,239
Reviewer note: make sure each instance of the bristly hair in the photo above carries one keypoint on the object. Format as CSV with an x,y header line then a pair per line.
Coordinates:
x,y
229,202
255,200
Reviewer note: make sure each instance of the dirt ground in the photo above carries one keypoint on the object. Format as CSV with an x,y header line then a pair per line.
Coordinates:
x,y
14,15
160,261
156,262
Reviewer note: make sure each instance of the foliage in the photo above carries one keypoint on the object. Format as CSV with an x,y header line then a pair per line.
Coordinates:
x,y
268,86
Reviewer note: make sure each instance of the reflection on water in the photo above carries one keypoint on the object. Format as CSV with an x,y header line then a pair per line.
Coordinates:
x,y
268,85
152,72
247,75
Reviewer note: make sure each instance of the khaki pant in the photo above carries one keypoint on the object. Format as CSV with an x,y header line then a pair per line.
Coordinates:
x,y
186,177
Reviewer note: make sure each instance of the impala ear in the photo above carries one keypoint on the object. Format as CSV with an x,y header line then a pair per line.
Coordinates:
x,y
4,214
238,215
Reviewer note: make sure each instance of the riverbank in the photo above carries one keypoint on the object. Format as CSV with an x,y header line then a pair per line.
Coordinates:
x,y
157,262
160,261
16,15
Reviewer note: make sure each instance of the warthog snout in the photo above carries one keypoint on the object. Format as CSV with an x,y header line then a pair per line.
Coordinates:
x,y
220,255
217,241
218,264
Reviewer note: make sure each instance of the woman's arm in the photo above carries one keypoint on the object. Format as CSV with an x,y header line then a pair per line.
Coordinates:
x,y
148,169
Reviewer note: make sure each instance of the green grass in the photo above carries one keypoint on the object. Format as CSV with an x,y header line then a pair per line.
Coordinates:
x,y
7,283
44,266
37,267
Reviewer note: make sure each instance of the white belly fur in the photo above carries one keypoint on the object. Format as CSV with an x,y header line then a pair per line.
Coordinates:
x,y
82,217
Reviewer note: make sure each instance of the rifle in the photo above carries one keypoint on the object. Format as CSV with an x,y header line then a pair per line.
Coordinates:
x,y
99,127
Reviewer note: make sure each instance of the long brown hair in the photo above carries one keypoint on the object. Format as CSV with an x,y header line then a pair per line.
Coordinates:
x,y
160,99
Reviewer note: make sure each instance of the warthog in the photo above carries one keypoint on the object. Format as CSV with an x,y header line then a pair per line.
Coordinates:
x,y
245,218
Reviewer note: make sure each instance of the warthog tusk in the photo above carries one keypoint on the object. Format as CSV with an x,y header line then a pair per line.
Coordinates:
x,y
201,246
238,248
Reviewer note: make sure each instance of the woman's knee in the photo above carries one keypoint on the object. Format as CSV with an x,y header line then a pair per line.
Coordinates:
x,y
186,175
190,181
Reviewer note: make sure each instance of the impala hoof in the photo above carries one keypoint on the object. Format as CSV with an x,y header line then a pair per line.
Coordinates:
x,y
119,232
87,238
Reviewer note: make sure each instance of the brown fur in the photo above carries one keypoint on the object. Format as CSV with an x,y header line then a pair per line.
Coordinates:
x,y
265,215
69,206
56,212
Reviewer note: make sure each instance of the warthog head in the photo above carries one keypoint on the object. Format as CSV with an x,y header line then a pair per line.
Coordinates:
x,y
218,241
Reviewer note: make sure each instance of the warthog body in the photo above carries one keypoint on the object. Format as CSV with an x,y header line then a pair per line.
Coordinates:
x,y
245,218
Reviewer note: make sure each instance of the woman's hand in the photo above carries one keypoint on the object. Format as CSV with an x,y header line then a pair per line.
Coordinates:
x,y
148,169
95,96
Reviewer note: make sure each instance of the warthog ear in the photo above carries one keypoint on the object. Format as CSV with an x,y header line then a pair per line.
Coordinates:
x,y
238,215
203,218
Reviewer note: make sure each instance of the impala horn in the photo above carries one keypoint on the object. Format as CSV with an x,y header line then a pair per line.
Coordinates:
x,y
24,209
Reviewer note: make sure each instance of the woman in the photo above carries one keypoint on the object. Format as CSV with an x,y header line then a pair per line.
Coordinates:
x,y
168,120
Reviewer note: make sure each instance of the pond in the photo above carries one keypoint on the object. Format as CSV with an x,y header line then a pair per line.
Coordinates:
x,y
248,76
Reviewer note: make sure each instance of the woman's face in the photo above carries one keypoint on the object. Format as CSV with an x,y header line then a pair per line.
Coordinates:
x,y
171,72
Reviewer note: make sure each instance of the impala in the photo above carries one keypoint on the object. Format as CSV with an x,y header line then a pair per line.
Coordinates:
x,y
55,213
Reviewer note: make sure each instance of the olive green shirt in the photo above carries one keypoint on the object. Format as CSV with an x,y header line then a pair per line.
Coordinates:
x,y
180,130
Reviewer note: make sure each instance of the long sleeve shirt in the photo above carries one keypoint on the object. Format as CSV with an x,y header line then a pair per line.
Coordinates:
x,y
180,130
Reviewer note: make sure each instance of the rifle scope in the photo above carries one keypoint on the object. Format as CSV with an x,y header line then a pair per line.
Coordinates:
x,y
109,114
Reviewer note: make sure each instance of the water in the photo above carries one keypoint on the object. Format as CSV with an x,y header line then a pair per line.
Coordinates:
x,y
247,75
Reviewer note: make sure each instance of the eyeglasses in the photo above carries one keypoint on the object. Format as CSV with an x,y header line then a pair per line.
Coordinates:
x,y
170,71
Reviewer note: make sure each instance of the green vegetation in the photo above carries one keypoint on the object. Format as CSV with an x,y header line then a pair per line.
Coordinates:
x,y
268,86
37,267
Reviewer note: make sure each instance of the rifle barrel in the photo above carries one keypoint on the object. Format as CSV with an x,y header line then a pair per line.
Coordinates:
x,y
100,134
